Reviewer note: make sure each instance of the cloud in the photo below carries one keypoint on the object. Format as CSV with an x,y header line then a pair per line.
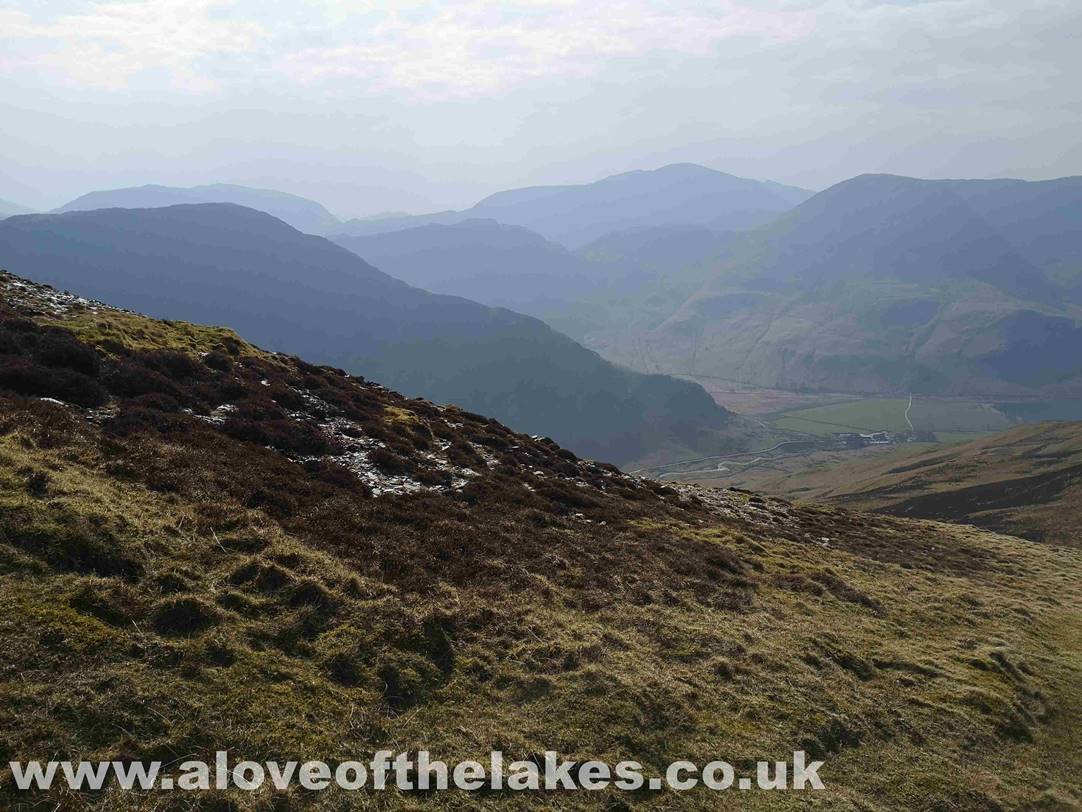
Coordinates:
x,y
111,44
468,48
477,48
477,95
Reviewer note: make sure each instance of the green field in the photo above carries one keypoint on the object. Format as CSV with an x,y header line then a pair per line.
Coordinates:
x,y
950,417
949,437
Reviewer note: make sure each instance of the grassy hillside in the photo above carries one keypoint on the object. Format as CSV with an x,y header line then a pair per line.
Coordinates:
x,y
1026,482
207,546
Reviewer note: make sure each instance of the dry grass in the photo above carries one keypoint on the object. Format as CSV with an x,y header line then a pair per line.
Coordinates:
x,y
174,590
1024,482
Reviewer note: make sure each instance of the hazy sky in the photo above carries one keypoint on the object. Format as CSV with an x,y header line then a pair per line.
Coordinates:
x,y
417,106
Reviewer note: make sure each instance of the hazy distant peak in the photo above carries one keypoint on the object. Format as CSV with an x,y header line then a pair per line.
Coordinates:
x,y
9,209
883,182
681,194
221,215
682,171
301,213
677,172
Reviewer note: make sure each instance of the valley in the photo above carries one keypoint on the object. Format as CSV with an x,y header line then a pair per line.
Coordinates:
x,y
408,543
541,406
813,424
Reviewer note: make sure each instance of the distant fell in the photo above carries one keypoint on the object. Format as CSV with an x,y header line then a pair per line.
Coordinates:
x,y
636,276
483,260
301,213
574,215
8,209
891,284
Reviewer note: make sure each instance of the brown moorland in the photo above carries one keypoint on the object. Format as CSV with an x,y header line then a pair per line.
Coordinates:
x,y
206,546
1024,482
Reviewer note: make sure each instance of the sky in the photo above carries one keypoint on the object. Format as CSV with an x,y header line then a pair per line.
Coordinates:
x,y
421,106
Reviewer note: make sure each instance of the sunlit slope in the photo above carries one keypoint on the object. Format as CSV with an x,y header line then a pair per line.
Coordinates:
x,y
204,546
1026,481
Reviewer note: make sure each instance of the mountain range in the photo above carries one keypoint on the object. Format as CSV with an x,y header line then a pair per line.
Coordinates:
x,y
229,265
489,262
301,213
575,215
880,284
632,278
890,284
572,215
7,209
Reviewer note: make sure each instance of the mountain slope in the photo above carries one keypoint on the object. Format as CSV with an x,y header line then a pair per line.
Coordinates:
x,y
1026,482
679,194
223,264
623,279
650,272
303,214
495,264
888,284
7,209
194,559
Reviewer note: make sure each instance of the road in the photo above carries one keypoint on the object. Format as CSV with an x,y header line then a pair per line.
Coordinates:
x,y
907,408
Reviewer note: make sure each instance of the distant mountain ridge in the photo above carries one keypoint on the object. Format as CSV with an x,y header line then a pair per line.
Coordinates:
x,y
301,213
225,264
574,215
623,278
9,209
889,284
484,260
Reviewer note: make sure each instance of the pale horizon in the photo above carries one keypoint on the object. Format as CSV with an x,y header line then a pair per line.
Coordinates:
x,y
422,108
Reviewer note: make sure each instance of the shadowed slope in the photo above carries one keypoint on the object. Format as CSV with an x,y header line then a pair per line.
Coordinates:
x,y
224,264
498,265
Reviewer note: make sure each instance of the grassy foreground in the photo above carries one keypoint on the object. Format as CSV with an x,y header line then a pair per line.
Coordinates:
x,y
223,549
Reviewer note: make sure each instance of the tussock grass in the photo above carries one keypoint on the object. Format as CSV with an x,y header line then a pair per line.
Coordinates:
x,y
173,589
119,333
